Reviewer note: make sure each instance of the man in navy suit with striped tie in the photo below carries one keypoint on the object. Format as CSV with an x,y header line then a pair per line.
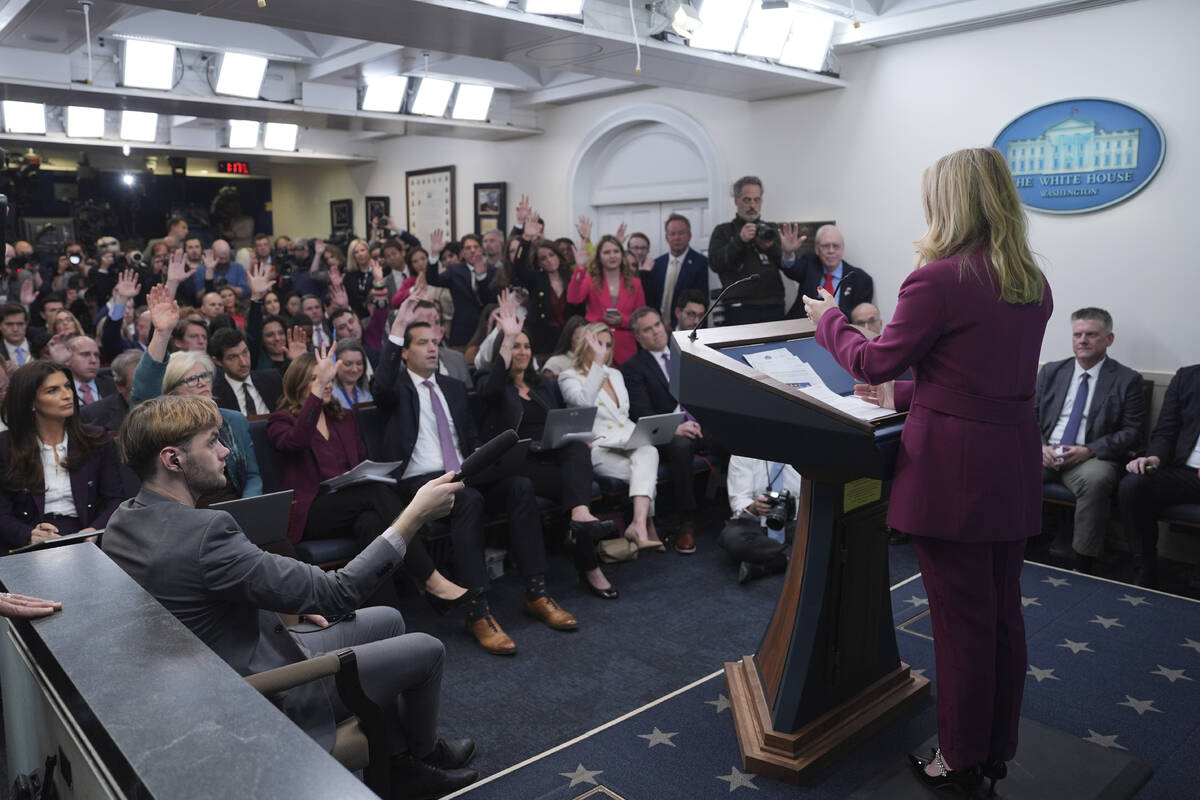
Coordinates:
x,y
676,271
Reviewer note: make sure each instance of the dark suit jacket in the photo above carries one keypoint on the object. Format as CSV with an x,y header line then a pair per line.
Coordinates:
x,y
104,385
396,396
112,343
969,467
108,413
856,287
693,274
1114,426
649,392
732,259
36,337
542,334
268,381
96,489
1178,425
203,569
467,305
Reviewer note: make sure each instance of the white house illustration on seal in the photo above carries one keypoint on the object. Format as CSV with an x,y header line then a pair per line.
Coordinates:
x,y
1074,145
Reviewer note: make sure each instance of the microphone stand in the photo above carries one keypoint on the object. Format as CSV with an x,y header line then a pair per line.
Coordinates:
x,y
717,302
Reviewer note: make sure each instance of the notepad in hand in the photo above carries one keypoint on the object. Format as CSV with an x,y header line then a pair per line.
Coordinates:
x,y
377,471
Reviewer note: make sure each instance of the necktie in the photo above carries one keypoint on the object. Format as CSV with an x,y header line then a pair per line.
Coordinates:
x,y
20,356
251,406
666,357
829,282
779,535
1072,430
88,397
669,286
450,461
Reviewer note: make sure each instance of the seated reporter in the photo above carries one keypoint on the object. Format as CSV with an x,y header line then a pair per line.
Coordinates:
x,y
235,387
593,382
57,476
520,398
190,372
201,567
350,386
758,548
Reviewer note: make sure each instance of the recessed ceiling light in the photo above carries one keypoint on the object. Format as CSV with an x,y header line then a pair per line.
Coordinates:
x,y
385,93
148,65
243,133
808,44
280,136
472,101
721,22
241,75
139,126
24,117
432,96
84,122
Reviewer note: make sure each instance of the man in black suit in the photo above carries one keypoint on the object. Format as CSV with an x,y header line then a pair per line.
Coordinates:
x,y
676,271
469,283
20,346
234,386
825,267
84,363
110,412
347,325
646,376
1169,473
1090,409
429,427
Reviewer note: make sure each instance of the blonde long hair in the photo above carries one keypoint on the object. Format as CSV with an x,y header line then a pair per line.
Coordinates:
x,y
581,347
971,203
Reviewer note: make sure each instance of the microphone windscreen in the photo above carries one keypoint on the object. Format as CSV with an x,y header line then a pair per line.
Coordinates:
x,y
487,455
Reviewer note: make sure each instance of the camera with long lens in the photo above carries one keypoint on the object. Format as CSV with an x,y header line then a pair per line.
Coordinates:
x,y
783,508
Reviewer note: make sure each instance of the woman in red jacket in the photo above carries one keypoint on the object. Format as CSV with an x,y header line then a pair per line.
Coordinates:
x,y
610,287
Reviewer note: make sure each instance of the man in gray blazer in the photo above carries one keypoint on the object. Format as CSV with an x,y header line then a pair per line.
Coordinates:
x,y
1090,409
203,569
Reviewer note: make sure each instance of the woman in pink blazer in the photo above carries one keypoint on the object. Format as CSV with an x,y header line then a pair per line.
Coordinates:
x,y
967,486
606,283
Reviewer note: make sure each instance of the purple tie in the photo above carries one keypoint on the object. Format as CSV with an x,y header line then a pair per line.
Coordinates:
x,y
450,461
666,357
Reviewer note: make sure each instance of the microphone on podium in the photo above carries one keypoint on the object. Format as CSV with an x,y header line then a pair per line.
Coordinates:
x,y
717,302
486,455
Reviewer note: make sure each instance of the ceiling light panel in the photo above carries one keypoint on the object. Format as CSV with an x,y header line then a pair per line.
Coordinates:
x,y
472,101
766,32
24,117
554,8
385,93
148,65
721,22
84,122
280,136
139,126
808,44
243,133
241,75
432,96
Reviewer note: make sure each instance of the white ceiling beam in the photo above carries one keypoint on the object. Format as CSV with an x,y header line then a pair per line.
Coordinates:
x,y
351,57
578,90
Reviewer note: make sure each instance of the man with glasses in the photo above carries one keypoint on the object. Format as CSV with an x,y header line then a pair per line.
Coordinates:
x,y
825,268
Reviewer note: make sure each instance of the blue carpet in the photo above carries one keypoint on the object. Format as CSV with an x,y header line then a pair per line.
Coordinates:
x,y
1111,664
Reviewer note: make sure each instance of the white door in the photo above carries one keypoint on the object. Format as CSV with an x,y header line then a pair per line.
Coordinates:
x,y
650,219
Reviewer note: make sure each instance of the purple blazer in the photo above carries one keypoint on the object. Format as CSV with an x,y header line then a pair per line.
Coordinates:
x,y
970,461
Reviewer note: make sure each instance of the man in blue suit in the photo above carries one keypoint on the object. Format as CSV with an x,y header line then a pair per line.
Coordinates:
x,y
676,271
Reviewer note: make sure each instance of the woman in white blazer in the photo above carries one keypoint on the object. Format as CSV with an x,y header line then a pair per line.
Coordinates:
x,y
592,381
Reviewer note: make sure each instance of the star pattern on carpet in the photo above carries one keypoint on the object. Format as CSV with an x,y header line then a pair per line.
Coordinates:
x,y
1103,741
1056,582
738,779
1192,643
658,737
1107,622
721,703
1042,674
917,602
1029,601
581,775
1076,647
1140,706
1170,674
1134,601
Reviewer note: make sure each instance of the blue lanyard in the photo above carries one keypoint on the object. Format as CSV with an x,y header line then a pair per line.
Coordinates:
x,y
342,389
775,477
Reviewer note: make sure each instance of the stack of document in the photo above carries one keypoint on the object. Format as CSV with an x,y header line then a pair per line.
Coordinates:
x,y
786,367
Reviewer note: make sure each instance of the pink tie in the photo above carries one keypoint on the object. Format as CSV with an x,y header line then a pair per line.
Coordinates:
x,y
88,397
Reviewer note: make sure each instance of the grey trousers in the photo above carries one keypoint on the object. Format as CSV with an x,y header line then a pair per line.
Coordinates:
x,y
1092,482
401,672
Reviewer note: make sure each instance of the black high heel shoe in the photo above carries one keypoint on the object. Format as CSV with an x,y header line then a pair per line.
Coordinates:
x,y
444,607
604,594
591,531
994,771
965,780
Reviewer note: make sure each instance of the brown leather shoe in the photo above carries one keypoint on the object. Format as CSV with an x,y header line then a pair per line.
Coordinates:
x,y
685,542
491,636
551,613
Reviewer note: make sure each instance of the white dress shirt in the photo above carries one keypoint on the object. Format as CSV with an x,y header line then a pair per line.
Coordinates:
x,y
1194,459
747,478
240,395
12,351
674,264
1069,403
59,499
427,452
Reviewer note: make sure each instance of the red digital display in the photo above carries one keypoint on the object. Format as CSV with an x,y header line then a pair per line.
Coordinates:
x,y
233,167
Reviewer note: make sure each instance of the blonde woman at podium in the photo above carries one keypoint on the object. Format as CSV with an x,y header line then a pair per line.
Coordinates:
x,y
969,323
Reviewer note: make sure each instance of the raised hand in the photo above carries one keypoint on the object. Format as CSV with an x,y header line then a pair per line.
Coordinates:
x,y
164,311
405,314
28,293
318,246
621,233
508,322
790,238
60,351
297,342
581,255
376,271
522,210
437,240
210,260
337,294
127,287
177,268
336,278
324,370
584,226
260,281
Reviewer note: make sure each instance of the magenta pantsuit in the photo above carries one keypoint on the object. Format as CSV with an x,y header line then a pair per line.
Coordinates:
x,y
584,288
968,480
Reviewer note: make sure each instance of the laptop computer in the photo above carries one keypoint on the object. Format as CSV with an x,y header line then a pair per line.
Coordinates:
x,y
655,429
264,519
566,425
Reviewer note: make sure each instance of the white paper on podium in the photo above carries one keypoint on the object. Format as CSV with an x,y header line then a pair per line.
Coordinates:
x,y
850,404
784,366
368,470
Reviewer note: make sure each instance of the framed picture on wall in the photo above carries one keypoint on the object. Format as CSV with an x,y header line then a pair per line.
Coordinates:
x,y
429,196
491,205
377,208
341,215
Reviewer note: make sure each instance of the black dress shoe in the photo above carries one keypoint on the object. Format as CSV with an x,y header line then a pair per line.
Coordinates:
x,y
751,572
444,607
962,780
451,753
413,779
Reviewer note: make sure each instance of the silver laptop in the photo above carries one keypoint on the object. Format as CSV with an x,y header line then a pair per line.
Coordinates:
x,y
566,425
264,519
655,429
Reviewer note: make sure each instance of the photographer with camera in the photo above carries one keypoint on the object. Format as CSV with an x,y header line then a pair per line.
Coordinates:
x,y
750,246
763,496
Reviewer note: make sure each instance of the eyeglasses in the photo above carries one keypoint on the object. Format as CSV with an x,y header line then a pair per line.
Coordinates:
x,y
195,381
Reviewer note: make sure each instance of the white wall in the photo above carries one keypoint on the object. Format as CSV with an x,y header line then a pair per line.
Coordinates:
x,y
857,155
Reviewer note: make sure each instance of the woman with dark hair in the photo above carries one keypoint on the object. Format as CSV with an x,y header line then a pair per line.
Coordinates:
x,y
543,268
518,397
612,291
272,303
351,386
417,259
318,440
57,476
563,356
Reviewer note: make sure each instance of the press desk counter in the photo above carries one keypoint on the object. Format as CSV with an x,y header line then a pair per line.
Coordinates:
x,y
139,706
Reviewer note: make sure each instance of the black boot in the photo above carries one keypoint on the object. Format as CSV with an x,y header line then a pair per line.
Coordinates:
x,y
451,753
413,779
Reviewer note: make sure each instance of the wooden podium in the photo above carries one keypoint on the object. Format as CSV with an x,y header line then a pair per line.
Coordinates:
x,y
828,671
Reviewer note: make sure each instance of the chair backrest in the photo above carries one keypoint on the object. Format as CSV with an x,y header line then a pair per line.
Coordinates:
x,y
268,458
371,423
